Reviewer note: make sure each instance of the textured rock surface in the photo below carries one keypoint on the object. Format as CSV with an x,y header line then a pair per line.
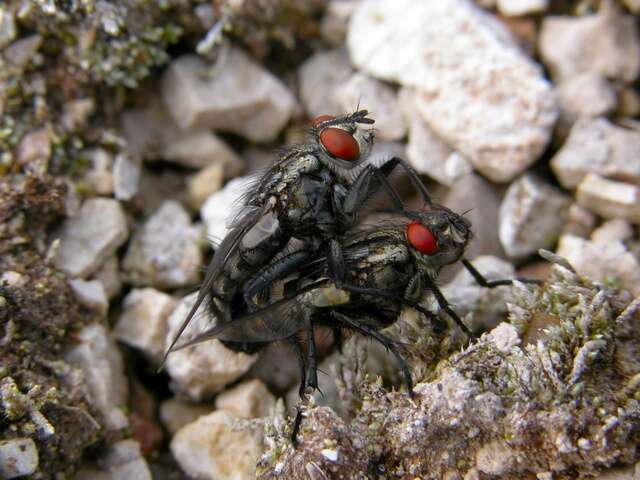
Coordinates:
x,y
204,369
586,95
532,215
90,237
616,230
598,146
199,95
18,458
176,414
91,294
165,251
250,399
608,198
143,321
210,448
426,45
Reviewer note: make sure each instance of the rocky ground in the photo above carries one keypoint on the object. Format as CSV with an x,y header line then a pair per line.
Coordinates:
x,y
127,130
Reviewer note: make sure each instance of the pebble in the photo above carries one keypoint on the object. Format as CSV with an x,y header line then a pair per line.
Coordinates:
x,y
532,215
277,368
221,207
7,26
109,277
616,230
98,178
513,8
250,399
462,62
124,461
210,448
203,184
205,369
602,262
34,151
176,414
427,152
91,236
598,146
126,176
101,364
586,95
376,97
606,43
165,251
152,134
200,95
608,198
496,458
20,52
18,457
335,22
580,221
77,113
91,294
143,321
320,77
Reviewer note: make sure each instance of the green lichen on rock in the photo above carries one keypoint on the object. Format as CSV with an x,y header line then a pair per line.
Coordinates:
x,y
553,393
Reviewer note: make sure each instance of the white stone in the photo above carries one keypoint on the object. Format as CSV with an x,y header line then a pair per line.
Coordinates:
x,y
602,261
109,277
152,134
34,151
235,95
478,91
606,43
77,112
319,78
377,97
608,198
427,152
496,458
143,321
334,24
505,337
126,176
513,8
18,457
586,95
91,236
20,52
203,184
204,369
99,177
165,251
598,146
616,230
210,448
221,206
176,414
100,362
7,26
91,294
124,461
580,221
250,399
532,215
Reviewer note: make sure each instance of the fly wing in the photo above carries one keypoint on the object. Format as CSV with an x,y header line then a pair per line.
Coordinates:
x,y
277,321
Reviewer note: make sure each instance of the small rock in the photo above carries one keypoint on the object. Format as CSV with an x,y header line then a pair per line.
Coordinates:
x,y
320,76
203,184
152,134
210,448
474,195
598,146
376,97
143,321
34,151
18,457
99,177
199,95
126,176
176,414
616,230
586,95
124,461
606,43
91,294
462,62
250,399
532,215
334,24
580,221
100,362
513,8
20,52
221,207
205,369
608,198
602,262
77,112
165,251
109,277
496,458
277,368
90,237
7,27
427,152
505,336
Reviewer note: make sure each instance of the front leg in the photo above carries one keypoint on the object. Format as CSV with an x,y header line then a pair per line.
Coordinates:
x,y
483,282
442,301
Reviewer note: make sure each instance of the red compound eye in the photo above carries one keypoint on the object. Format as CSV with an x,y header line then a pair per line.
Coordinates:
x,y
421,238
321,118
340,144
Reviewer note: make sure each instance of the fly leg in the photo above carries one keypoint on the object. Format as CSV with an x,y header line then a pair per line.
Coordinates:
x,y
303,380
483,282
309,378
387,167
444,304
387,342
